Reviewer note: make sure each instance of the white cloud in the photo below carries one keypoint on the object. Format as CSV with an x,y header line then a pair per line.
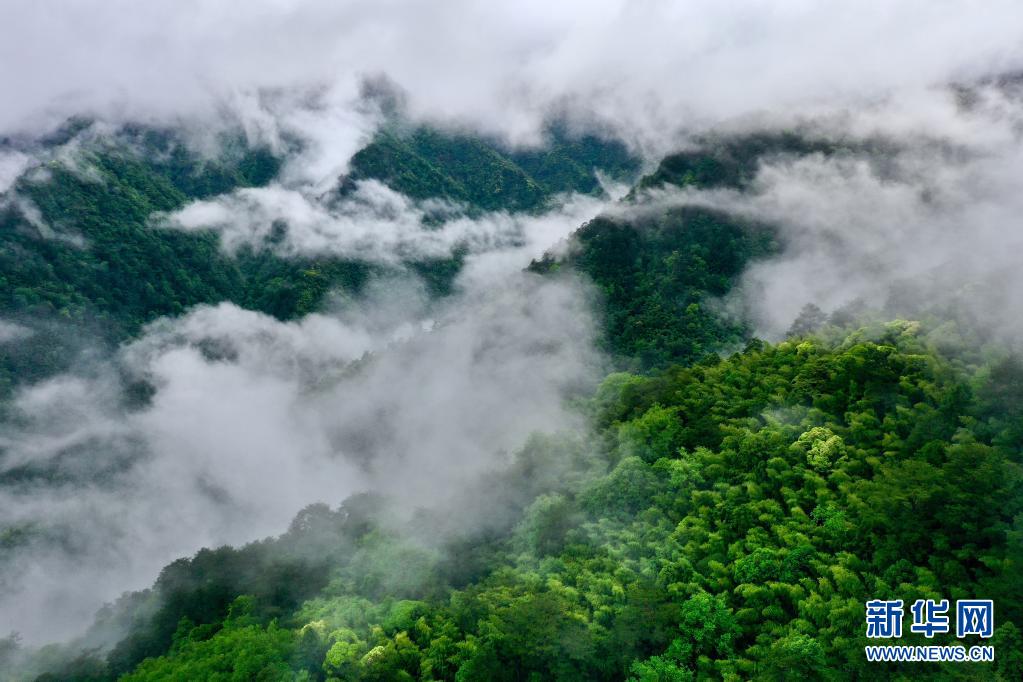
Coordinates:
x,y
253,418
650,68
936,211
12,165
11,331
373,223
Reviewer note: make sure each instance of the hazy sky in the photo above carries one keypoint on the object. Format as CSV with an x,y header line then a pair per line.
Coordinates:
x,y
648,67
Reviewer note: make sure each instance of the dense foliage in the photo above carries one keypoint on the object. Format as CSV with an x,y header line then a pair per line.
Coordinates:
x,y
661,278
78,248
663,272
730,162
748,508
424,163
90,249
85,256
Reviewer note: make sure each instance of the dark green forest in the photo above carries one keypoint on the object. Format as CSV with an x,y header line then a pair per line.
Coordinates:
x,y
734,505
727,521
100,266
661,277
425,163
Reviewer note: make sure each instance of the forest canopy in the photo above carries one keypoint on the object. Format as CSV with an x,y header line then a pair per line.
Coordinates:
x,y
729,520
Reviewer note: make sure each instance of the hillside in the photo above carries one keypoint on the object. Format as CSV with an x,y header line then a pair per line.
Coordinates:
x,y
85,253
661,278
727,521
425,163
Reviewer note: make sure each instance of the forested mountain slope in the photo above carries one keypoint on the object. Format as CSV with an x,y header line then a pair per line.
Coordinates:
x,y
731,161
663,272
747,508
661,277
84,254
426,163
90,249
79,246
734,507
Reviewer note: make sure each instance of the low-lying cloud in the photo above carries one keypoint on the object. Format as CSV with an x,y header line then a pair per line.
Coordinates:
x,y
372,223
251,419
909,224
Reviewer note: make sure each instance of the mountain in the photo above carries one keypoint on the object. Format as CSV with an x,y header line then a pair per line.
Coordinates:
x,y
79,247
662,277
426,163
732,161
733,507
744,510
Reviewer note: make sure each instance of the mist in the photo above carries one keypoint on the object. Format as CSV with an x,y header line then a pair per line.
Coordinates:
x,y
374,223
916,212
216,427
650,70
244,419
251,419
